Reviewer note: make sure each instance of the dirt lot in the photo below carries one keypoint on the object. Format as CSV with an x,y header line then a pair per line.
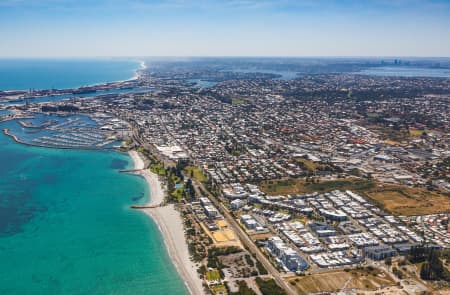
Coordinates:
x,y
409,201
396,199
336,280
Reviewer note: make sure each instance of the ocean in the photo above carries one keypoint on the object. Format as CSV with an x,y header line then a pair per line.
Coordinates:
x,y
66,226
23,74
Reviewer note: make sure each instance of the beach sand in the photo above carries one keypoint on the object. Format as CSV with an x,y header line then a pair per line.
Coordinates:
x,y
156,191
170,224
138,162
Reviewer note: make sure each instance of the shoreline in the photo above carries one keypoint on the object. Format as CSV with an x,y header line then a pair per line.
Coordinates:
x,y
171,226
154,185
142,66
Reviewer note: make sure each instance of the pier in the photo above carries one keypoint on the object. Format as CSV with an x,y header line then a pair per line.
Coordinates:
x,y
130,170
139,207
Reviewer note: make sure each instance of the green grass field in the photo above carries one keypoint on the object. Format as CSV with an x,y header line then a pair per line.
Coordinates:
x,y
196,173
213,275
238,101
299,186
158,169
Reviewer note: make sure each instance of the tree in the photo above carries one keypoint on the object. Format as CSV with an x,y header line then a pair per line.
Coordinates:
x,y
432,268
190,190
425,271
388,261
355,172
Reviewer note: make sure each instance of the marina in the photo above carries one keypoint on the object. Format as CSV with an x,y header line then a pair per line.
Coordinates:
x,y
64,132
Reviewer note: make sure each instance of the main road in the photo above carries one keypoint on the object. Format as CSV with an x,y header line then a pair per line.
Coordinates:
x,y
245,239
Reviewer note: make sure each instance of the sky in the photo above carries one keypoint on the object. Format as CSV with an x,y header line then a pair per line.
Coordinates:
x,y
78,28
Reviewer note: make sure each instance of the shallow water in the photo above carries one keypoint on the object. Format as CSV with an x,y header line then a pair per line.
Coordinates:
x,y
66,226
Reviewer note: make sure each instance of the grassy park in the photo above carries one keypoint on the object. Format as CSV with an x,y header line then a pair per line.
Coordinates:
x,y
196,173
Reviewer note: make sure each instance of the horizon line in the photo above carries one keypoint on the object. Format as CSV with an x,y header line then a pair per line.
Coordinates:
x,y
224,56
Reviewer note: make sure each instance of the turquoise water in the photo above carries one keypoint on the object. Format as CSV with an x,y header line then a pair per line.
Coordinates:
x,y
66,226
406,72
21,74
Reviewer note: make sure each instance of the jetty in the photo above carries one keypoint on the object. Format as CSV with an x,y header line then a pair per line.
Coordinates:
x,y
139,207
130,170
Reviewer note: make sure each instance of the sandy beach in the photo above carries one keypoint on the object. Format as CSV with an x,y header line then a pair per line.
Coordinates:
x,y
156,191
170,224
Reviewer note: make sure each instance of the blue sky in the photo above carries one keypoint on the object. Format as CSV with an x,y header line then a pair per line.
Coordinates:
x,y
224,28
